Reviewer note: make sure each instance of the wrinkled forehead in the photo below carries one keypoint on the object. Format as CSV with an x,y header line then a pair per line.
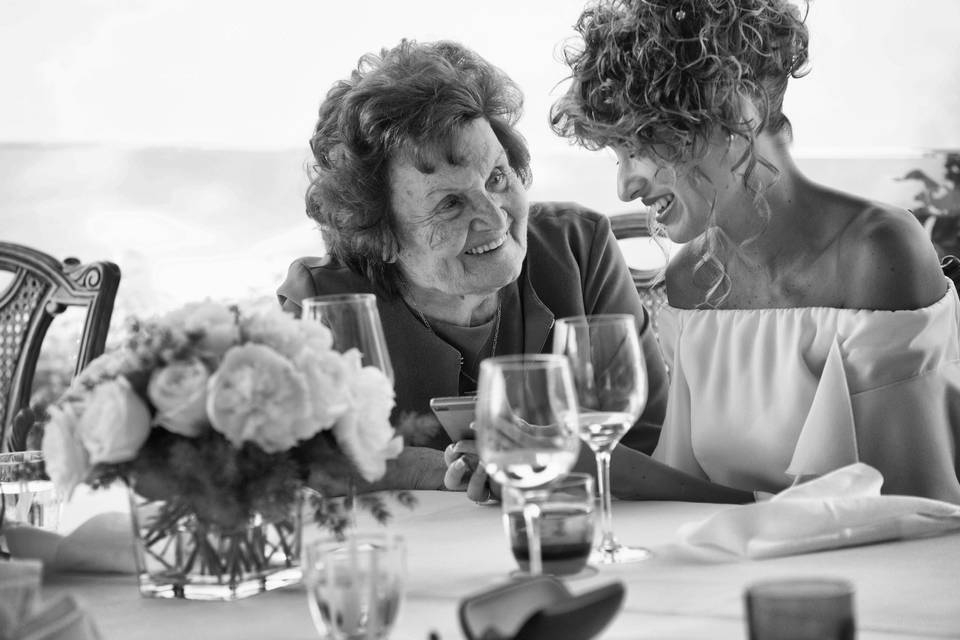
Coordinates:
x,y
471,143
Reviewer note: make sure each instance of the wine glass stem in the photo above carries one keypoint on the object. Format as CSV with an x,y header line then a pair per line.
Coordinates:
x,y
607,542
531,520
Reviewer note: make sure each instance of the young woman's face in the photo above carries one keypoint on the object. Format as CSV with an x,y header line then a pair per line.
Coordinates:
x,y
462,227
680,195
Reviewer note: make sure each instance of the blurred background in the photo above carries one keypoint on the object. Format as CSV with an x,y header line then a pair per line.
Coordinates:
x,y
171,138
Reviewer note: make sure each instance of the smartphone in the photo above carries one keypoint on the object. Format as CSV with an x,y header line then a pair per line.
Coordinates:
x,y
455,414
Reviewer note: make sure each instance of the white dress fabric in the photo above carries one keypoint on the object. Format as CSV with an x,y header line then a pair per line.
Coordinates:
x,y
760,397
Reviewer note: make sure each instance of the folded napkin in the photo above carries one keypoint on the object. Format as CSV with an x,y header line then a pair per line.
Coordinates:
x,y
104,543
840,509
24,617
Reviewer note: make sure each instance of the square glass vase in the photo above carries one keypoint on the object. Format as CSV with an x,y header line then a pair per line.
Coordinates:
x,y
179,555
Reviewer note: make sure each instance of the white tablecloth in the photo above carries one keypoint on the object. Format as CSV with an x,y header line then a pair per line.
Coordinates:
x,y
908,589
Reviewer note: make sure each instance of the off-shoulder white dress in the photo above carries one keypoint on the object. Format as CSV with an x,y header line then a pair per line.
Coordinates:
x,y
759,397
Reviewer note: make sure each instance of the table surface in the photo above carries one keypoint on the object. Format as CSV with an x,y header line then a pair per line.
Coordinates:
x,y
905,589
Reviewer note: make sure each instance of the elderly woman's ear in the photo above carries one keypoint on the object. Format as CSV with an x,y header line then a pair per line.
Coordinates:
x,y
390,248
378,244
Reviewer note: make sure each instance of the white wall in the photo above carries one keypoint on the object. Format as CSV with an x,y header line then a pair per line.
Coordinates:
x,y
241,74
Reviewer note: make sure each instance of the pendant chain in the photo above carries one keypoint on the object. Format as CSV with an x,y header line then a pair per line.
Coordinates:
x,y
496,333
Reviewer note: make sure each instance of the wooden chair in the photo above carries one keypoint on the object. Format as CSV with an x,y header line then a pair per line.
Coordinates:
x,y
650,283
951,269
41,288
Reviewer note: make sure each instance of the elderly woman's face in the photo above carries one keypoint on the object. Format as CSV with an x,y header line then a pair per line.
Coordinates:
x,y
462,227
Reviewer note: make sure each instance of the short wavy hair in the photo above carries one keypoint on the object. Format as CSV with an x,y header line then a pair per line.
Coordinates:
x,y
664,78
408,101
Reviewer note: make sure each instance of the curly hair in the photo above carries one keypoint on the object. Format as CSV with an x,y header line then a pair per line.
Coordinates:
x,y
409,102
665,78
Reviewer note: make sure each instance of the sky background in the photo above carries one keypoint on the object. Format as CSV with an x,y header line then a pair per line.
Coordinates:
x,y
171,136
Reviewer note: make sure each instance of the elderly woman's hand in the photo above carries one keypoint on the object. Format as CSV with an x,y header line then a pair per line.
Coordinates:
x,y
464,472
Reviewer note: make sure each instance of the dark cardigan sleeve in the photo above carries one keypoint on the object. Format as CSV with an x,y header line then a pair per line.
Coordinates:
x,y
298,285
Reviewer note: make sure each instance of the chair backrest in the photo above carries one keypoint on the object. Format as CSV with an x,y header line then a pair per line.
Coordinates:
x,y
951,269
41,288
650,283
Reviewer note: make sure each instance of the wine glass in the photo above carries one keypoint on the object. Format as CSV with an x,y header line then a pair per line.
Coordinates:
x,y
611,382
526,426
354,321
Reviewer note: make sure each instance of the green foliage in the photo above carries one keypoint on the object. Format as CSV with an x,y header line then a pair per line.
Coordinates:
x,y
939,205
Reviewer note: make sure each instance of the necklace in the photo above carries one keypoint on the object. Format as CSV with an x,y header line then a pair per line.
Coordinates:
x,y
496,334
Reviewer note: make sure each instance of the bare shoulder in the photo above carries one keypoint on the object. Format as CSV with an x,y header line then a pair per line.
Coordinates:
x,y
887,261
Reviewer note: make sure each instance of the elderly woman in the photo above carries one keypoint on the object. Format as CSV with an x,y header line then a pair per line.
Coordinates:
x,y
811,328
419,188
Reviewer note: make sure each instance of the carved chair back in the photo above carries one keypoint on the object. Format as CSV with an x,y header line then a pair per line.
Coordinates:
x,y
650,283
40,288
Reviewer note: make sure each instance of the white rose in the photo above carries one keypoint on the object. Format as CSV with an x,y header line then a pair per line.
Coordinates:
x,y
215,323
179,394
67,462
107,366
258,396
285,334
328,375
364,433
115,422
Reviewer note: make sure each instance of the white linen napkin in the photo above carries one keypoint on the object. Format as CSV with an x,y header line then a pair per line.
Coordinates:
x,y
104,543
24,617
839,509
828,439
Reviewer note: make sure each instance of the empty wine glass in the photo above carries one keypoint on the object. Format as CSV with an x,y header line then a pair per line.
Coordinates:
x,y
354,321
526,425
611,382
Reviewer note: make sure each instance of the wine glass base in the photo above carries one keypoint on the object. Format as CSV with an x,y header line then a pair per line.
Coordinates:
x,y
620,554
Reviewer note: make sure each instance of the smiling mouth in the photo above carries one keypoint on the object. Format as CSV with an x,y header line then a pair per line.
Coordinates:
x,y
661,206
493,245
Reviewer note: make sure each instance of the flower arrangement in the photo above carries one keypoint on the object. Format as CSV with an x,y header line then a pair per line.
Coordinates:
x,y
226,416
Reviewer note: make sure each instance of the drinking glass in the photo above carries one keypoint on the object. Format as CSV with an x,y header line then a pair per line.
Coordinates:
x,y
27,495
354,586
806,608
611,382
566,525
526,427
354,321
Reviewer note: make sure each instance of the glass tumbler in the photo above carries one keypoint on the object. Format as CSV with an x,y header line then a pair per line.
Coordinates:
x,y
801,609
27,495
566,524
354,586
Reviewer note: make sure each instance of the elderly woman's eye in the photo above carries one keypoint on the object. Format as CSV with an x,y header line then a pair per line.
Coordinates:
x,y
498,179
448,204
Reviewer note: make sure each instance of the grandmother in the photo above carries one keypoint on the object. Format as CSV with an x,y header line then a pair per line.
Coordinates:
x,y
419,188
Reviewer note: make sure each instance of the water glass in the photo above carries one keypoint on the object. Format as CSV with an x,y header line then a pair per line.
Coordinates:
x,y
354,586
354,321
527,429
27,495
566,524
800,609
